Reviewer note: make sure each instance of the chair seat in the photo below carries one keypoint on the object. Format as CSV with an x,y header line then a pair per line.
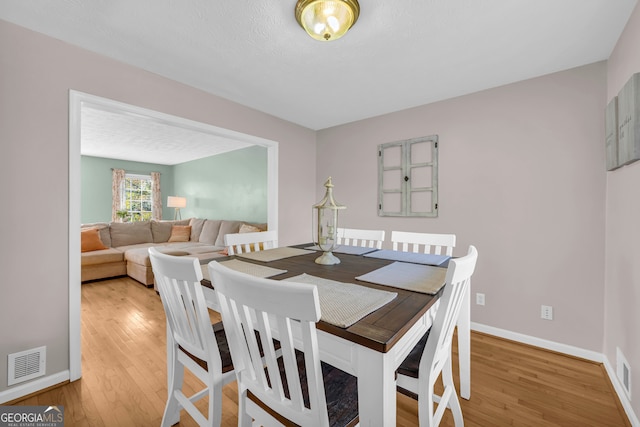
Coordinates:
x,y
223,347
341,392
410,366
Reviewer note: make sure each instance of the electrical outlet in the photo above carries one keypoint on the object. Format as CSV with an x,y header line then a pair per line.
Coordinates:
x,y
479,299
546,312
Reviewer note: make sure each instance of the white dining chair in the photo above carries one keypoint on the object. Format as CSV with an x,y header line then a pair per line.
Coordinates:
x,y
362,238
239,243
427,243
431,357
294,387
192,341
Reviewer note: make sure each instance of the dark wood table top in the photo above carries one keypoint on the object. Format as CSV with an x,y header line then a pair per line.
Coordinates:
x,y
379,330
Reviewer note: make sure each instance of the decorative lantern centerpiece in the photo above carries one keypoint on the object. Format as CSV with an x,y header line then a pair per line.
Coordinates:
x,y
325,226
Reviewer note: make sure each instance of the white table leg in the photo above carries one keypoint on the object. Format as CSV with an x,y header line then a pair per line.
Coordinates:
x,y
376,389
464,345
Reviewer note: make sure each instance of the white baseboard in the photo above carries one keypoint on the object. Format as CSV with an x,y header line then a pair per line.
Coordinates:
x,y
539,342
33,386
571,351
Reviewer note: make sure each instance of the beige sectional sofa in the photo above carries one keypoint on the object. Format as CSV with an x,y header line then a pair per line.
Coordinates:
x,y
127,245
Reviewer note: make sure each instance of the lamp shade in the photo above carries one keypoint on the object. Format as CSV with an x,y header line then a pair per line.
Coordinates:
x,y
327,20
176,202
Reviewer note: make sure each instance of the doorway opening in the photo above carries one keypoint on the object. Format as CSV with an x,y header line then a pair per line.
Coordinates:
x,y
78,101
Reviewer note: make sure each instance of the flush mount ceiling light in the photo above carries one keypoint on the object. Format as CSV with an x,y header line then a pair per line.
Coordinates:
x,y
327,20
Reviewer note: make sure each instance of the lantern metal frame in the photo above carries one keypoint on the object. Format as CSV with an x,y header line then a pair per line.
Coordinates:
x,y
325,226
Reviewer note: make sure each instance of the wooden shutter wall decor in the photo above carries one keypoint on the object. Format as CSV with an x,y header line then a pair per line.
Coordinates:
x,y
408,177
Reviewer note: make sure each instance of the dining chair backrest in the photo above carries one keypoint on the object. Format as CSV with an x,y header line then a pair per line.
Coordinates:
x,y
427,243
435,355
288,312
190,335
457,281
238,243
363,238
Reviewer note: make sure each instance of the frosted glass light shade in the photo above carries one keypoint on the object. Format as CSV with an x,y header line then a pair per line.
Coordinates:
x,y
327,20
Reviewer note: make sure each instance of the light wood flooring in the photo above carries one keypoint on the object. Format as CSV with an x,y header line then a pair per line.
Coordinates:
x,y
124,374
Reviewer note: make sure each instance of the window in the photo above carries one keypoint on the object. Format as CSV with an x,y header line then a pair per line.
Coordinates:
x,y
408,177
137,197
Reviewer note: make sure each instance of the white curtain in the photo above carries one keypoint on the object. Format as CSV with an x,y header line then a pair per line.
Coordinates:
x,y
156,196
116,192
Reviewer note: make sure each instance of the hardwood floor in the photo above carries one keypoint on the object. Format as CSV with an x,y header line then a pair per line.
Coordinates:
x,y
124,374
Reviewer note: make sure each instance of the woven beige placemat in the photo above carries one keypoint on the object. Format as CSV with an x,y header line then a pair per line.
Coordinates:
x,y
412,277
343,304
274,254
245,267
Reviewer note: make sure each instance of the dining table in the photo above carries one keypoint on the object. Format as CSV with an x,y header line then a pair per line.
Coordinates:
x,y
372,343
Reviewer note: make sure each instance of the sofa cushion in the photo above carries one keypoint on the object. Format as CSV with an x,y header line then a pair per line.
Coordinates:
x,y
227,227
102,257
202,249
90,240
161,230
208,255
196,228
130,233
138,254
210,231
180,233
103,227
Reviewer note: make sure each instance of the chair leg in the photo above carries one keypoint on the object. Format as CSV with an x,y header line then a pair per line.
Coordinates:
x,y
425,404
172,409
244,419
215,402
453,403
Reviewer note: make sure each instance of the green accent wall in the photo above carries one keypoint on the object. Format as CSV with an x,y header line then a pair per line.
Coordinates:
x,y
231,185
96,174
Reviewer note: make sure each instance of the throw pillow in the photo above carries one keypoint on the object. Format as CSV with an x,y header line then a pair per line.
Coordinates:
x,y
180,233
90,240
247,228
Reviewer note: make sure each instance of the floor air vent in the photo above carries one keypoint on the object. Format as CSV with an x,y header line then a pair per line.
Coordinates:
x,y
624,372
26,365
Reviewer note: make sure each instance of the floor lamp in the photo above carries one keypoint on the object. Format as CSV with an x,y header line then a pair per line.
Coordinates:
x,y
177,203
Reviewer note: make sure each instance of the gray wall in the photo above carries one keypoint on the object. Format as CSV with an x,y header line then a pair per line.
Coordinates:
x,y
521,177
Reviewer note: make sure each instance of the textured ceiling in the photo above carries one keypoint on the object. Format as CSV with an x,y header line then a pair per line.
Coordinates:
x,y
125,136
399,54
